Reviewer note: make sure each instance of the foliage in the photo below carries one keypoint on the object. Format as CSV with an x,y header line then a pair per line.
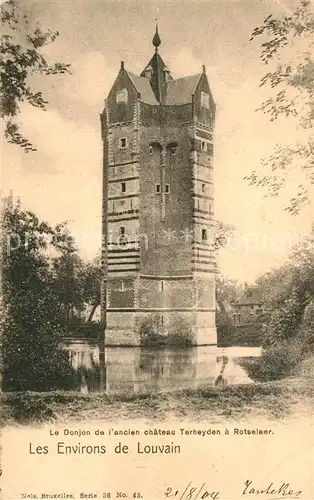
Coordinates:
x,y
222,233
278,361
153,332
31,329
225,330
288,336
22,57
77,285
92,277
288,45
67,270
26,408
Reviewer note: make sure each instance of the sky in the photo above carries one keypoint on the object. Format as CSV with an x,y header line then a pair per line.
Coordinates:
x,y
62,180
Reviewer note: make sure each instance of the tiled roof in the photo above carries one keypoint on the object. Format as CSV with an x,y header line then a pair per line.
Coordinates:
x,y
143,86
180,91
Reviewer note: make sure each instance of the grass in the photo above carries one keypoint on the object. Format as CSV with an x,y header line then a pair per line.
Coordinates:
x,y
272,400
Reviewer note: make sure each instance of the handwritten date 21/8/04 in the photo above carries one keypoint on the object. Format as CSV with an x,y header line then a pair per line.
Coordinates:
x,y
191,492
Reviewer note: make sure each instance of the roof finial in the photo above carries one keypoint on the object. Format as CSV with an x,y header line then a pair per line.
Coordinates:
x,y
156,39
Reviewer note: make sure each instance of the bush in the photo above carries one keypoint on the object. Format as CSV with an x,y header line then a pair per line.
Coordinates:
x,y
153,332
276,362
181,333
225,330
27,407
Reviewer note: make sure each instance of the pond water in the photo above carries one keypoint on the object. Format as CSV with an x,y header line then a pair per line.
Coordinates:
x,y
143,369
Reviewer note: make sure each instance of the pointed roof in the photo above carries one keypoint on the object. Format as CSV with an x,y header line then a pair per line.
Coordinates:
x,y
180,91
158,79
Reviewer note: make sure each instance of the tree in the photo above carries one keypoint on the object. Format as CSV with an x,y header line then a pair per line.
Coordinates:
x,y
92,278
288,50
21,57
77,285
68,282
288,337
31,328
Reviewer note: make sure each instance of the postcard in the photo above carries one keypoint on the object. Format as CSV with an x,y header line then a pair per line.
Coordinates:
x,y
157,299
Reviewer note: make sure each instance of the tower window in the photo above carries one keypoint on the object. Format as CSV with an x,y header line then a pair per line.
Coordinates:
x,y
123,142
123,187
203,188
151,150
122,238
122,96
167,188
157,187
204,100
204,234
161,285
172,148
203,146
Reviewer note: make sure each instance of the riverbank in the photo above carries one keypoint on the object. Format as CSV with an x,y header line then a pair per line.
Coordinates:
x,y
277,400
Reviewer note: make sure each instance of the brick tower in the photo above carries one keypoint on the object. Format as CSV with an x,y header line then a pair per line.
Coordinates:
x,y
159,269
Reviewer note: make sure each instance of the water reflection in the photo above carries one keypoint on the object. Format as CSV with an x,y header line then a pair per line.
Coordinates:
x,y
156,370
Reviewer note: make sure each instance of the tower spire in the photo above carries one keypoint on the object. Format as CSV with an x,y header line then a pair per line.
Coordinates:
x,y
156,39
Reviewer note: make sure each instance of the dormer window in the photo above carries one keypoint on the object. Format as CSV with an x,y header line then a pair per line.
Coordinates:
x,y
167,74
122,96
148,72
123,142
205,100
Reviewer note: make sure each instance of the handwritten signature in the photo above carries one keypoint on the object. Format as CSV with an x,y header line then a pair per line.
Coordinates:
x,y
282,491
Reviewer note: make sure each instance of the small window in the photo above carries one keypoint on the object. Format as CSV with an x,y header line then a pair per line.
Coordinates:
x,y
167,188
172,148
203,188
123,187
122,96
123,143
161,285
157,188
150,150
203,146
122,238
204,100
204,234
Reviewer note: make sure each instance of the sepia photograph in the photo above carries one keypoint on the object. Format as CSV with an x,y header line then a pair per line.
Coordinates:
x,y
157,248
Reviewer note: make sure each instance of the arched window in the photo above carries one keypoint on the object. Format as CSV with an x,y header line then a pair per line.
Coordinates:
x,y
155,147
172,148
